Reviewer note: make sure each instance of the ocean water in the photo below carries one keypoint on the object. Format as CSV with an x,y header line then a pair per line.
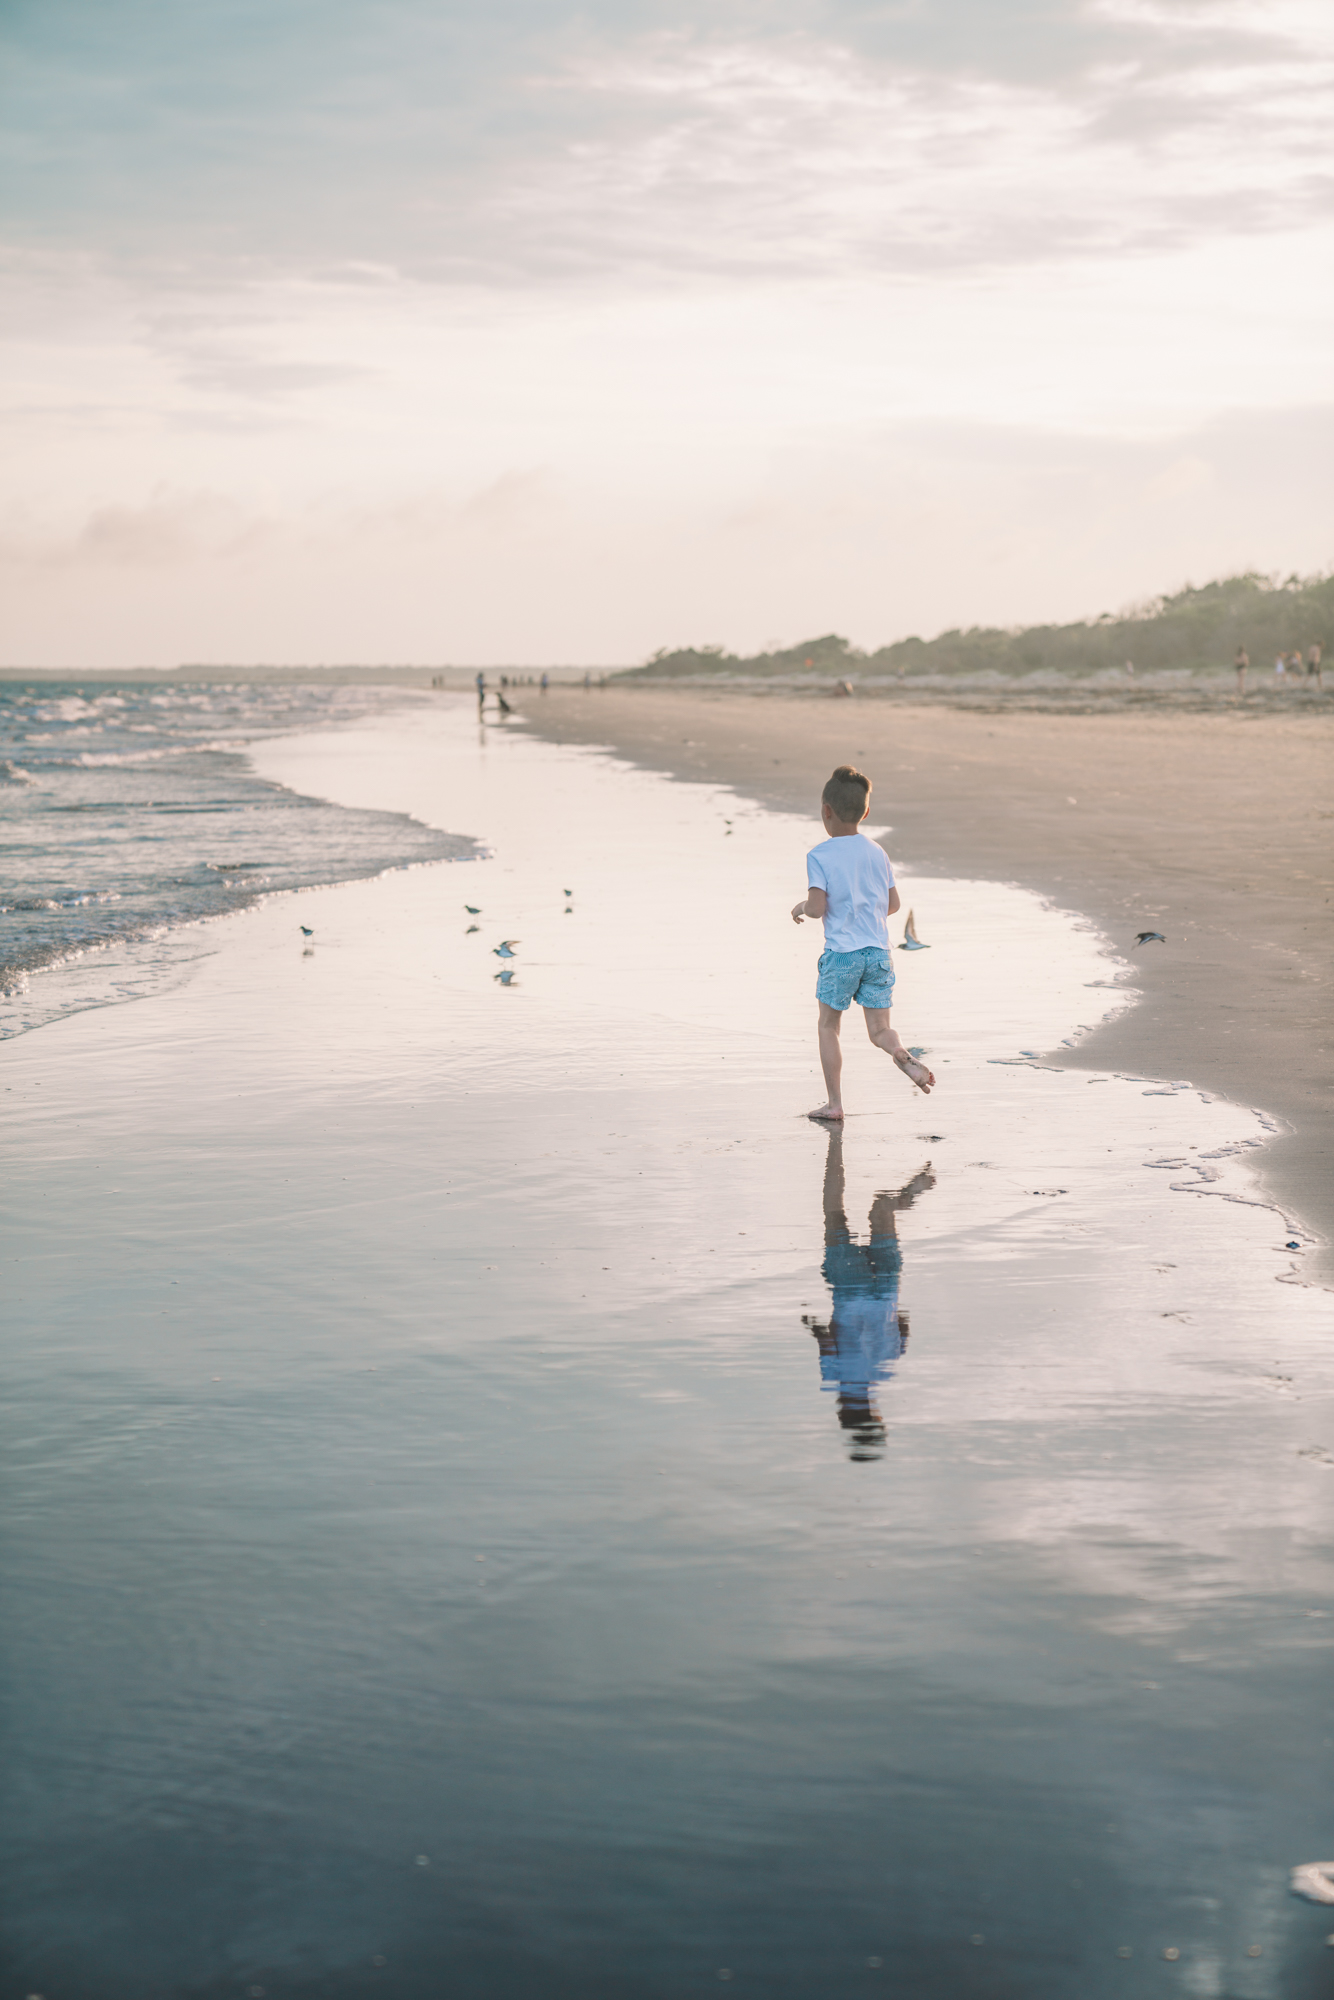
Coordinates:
x,y
130,814
467,1534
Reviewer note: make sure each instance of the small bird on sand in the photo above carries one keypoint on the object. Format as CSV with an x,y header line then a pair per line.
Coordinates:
x,y
471,928
567,892
911,941
505,708
506,977
305,930
472,909
1150,937
502,950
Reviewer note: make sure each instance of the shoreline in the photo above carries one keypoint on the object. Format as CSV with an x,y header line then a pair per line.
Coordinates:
x,y
1218,834
434,1454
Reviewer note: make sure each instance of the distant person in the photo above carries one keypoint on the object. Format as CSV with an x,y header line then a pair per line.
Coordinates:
x,y
851,890
545,682
867,1328
1314,667
1281,664
1241,663
481,691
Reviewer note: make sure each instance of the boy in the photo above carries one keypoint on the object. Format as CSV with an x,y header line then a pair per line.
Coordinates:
x,y
852,891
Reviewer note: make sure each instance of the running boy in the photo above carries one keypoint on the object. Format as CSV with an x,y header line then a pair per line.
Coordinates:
x,y
852,891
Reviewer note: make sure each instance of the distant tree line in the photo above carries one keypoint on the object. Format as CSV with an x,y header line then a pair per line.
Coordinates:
x,y
1191,628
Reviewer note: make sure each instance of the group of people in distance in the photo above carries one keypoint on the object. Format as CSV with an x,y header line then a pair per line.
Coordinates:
x,y
1286,664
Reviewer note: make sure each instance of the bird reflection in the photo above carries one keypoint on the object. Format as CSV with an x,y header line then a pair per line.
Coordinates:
x,y
867,1328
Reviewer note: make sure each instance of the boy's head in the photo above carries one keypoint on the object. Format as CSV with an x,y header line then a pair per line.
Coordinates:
x,y
847,796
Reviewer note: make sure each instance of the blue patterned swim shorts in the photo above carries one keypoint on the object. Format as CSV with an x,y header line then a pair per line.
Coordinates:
x,y
866,977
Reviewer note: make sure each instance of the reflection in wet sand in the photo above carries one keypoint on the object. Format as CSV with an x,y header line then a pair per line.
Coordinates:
x,y
867,1328
460,1297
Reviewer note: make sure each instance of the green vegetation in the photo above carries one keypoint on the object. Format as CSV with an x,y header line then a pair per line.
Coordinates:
x,y
1191,629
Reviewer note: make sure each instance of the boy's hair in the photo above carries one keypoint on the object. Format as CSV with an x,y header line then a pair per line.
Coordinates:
x,y
848,795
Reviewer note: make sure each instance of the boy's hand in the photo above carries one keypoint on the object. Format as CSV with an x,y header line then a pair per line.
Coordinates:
x,y
798,911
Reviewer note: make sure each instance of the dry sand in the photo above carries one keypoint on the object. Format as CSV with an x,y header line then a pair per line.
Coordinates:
x,y
1216,829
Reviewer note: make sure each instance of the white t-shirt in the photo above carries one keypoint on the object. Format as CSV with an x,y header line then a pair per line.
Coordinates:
x,y
856,877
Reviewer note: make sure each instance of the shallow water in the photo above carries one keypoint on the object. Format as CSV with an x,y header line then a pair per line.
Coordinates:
x,y
130,814
437,1564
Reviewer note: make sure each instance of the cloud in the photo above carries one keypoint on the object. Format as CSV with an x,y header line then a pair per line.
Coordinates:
x,y
614,327
807,159
169,531
506,144
910,529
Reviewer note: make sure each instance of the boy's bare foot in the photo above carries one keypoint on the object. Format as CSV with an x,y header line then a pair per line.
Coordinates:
x,y
830,1111
915,1071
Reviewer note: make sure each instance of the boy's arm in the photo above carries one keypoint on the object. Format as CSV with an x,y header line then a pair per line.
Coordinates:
x,y
815,904
894,903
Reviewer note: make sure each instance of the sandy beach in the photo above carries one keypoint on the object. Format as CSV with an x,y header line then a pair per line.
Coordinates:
x,y
1215,828
468,1531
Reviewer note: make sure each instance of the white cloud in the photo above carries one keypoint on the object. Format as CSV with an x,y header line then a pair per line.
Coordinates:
x,y
808,159
911,528
543,376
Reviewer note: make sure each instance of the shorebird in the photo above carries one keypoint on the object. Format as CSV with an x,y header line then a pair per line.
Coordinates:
x,y
1150,937
506,977
911,941
567,892
502,950
472,909
305,930
471,928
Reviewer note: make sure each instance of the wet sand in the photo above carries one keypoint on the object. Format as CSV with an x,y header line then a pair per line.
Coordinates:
x,y
449,1550
1217,829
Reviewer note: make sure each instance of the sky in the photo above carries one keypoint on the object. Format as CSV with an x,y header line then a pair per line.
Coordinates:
x,y
500,332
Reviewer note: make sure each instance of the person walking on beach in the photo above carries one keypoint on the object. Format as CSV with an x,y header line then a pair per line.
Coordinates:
x,y
867,1328
1242,661
851,890
1315,667
481,691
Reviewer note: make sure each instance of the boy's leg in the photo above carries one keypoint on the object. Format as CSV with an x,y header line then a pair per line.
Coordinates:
x,y
878,1028
831,1062
885,1037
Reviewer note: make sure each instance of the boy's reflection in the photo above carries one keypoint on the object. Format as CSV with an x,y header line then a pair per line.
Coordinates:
x,y
867,1328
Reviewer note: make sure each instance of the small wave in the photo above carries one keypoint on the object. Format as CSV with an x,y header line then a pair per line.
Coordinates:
x,y
107,760
113,871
